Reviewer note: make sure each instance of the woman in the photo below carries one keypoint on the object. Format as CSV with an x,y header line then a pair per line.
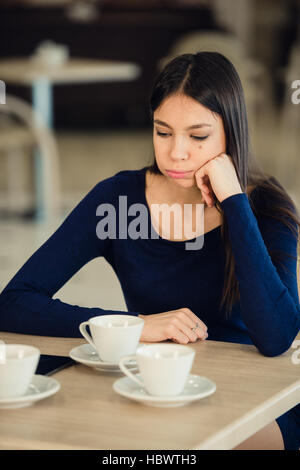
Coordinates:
x,y
237,285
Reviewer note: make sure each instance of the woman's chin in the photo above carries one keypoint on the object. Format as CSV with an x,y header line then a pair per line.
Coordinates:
x,y
184,183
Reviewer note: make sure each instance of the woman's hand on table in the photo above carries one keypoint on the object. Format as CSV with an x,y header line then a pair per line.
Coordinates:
x,y
181,326
218,178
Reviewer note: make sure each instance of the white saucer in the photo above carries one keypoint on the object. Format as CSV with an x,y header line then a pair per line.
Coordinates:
x,y
40,387
195,388
87,355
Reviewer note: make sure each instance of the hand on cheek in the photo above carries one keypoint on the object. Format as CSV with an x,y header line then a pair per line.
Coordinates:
x,y
217,178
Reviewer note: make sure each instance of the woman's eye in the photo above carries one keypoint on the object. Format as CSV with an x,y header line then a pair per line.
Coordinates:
x,y
199,138
161,134
195,137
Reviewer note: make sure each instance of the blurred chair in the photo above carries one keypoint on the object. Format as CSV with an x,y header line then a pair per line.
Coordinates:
x,y
288,165
21,128
251,72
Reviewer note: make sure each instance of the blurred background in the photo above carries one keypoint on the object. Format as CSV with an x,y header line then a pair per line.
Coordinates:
x,y
87,67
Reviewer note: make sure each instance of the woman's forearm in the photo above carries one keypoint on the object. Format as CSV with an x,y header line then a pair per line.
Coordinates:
x,y
268,293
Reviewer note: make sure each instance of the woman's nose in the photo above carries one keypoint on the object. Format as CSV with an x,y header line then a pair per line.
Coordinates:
x,y
179,150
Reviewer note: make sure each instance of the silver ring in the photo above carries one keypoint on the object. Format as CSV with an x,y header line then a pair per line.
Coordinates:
x,y
196,327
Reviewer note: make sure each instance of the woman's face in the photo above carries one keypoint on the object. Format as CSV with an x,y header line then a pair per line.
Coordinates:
x,y
186,135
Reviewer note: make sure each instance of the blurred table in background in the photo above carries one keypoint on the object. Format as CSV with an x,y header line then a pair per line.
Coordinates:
x,y
41,78
136,32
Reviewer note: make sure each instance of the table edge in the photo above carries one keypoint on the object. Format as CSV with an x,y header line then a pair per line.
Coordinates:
x,y
241,428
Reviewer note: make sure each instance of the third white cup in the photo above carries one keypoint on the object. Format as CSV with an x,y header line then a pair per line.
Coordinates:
x,y
164,368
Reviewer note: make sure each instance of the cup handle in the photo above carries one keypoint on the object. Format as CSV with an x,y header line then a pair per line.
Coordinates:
x,y
127,372
82,328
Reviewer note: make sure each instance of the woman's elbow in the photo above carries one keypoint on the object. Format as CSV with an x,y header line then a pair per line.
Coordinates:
x,y
274,350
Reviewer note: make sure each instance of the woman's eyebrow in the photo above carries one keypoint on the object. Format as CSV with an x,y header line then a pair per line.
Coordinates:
x,y
194,126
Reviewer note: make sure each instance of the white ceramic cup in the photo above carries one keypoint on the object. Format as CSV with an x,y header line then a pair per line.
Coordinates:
x,y
164,368
113,336
18,363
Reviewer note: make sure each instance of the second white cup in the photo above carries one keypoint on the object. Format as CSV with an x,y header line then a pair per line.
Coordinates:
x,y
164,368
113,336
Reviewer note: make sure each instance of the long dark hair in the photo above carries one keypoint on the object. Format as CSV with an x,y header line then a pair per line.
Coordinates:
x,y
211,79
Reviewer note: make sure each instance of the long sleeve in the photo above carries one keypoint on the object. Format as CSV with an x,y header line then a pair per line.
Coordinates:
x,y
268,290
26,303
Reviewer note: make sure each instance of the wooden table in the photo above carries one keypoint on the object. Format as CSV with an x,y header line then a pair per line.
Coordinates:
x,y
42,78
252,390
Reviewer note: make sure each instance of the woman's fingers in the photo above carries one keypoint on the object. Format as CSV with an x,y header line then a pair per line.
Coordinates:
x,y
185,330
203,183
192,319
190,334
184,336
181,326
177,335
208,195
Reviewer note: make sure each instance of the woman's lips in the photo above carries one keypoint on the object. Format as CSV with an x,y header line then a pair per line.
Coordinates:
x,y
178,174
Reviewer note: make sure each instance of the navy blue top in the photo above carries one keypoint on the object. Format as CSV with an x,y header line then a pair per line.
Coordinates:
x,y
159,275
